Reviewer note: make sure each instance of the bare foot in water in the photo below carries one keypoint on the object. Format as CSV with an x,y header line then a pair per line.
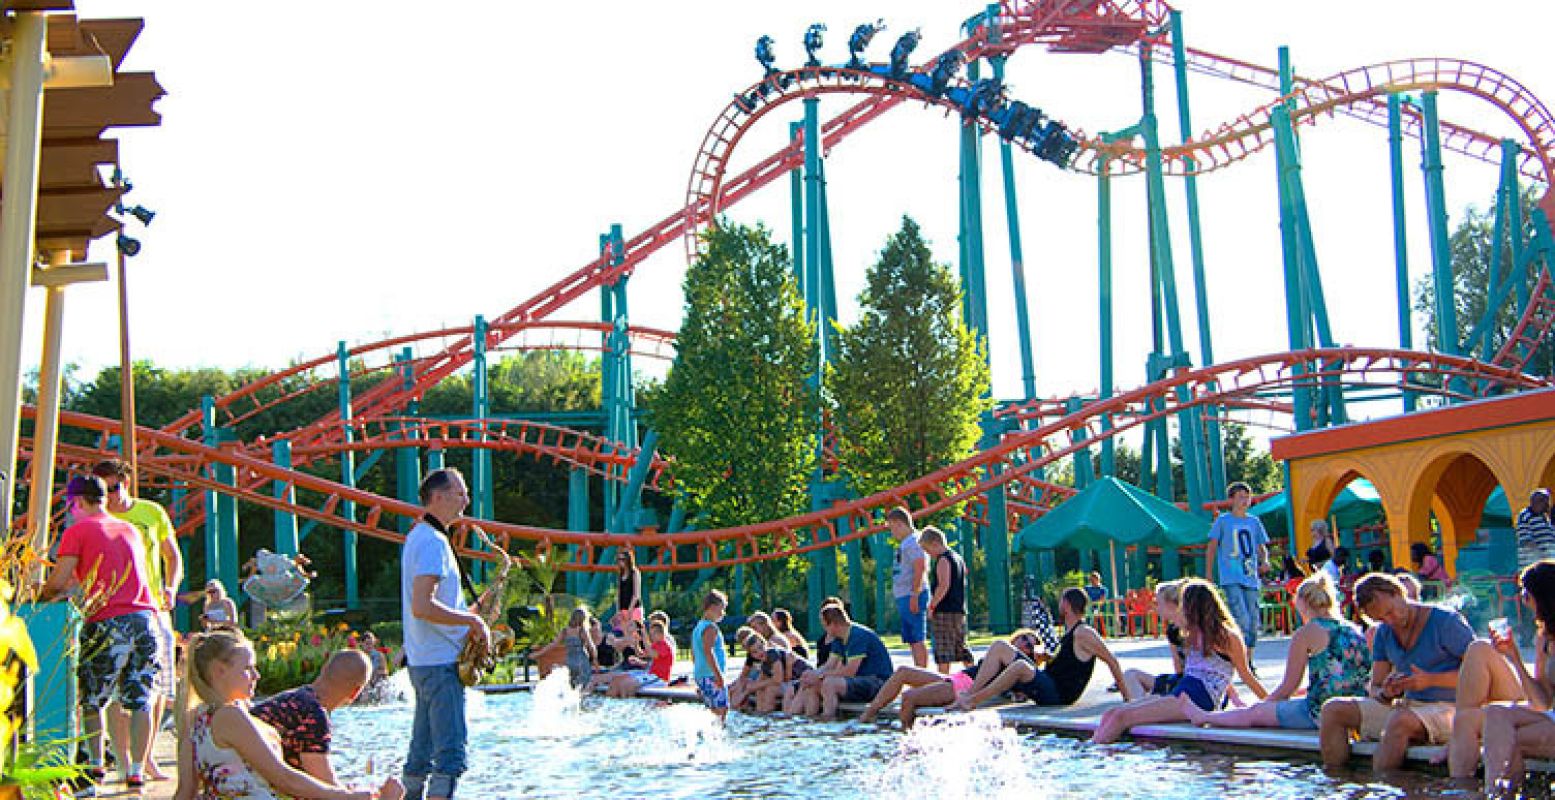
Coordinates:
x,y
869,714
1195,715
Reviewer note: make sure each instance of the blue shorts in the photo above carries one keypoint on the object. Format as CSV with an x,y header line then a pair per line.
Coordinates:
x,y
913,625
1040,690
1295,714
861,689
1197,692
713,696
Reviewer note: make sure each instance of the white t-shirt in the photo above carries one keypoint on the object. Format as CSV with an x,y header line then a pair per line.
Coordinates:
x,y
426,552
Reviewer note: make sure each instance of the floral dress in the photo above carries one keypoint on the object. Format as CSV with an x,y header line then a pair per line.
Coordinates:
x,y
222,774
1342,669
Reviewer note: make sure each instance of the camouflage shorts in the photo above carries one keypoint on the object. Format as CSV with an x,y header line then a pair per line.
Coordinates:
x,y
120,660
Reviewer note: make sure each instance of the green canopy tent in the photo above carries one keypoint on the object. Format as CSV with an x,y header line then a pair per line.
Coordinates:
x,y
1109,513
1358,504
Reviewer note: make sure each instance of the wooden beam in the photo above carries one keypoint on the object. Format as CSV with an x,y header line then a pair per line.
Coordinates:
x,y
68,274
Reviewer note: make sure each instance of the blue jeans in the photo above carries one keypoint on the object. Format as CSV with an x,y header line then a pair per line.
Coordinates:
x,y
437,735
1242,601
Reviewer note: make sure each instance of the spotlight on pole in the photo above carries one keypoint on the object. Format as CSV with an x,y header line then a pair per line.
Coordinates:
x,y
141,213
127,245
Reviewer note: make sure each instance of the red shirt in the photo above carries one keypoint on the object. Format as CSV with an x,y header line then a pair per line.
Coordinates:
x,y
663,660
114,551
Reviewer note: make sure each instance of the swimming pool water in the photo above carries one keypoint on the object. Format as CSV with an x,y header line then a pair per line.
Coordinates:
x,y
548,745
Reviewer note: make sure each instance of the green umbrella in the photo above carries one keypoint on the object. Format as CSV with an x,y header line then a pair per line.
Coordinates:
x,y
1357,504
1112,512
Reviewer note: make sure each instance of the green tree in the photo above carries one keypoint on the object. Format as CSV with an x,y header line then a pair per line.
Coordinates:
x,y
738,409
909,381
1472,247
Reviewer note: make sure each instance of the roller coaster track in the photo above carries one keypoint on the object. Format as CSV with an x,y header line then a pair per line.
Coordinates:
x,y
1015,458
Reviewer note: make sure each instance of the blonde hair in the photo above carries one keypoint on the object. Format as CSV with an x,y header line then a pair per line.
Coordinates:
x,y
206,649
755,641
1170,591
1319,595
761,618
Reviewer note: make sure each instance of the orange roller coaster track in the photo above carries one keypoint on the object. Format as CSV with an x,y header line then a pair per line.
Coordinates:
x,y
1017,457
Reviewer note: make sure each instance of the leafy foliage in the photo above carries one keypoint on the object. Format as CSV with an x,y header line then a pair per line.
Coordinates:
x,y
739,408
1472,247
909,381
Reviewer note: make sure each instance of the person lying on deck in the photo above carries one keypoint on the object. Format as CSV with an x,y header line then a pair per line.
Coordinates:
x,y
1066,674
928,689
1416,654
1215,652
1329,650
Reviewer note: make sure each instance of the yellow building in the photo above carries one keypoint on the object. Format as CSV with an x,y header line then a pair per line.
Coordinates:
x,y
1442,463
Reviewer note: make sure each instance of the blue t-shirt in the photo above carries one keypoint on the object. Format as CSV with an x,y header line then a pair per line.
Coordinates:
x,y
865,643
426,552
1440,648
1237,540
699,666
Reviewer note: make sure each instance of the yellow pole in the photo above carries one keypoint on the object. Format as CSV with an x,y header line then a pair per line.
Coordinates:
x,y
46,425
126,381
18,228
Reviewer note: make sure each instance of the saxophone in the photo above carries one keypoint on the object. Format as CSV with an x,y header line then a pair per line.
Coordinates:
x,y
478,658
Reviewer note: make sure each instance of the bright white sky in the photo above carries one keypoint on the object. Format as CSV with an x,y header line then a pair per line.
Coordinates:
x,y
354,170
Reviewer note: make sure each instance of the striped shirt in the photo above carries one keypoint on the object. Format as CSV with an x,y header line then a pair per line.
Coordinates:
x,y
1535,538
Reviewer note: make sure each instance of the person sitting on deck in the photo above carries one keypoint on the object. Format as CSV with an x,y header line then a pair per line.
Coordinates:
x,y
1428,565
227,752
799,695
1416,655
1168,608
784,623
1329,650
630,682
1493,672
925,688
1215,652
1512,733
1064,677
301,715
859,666
774,666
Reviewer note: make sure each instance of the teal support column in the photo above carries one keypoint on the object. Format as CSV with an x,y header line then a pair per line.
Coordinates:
x,y
1028,374
1215,461
881,552
185,549
816,582
1104,294
854,553
1441,241
407,461
480,458
286,542
737,595
577,520
1171,564
221,509
1195,472
1297,322
996,546
347,477
1400,231
1504,271
796,191
435,459
974,299
1083,474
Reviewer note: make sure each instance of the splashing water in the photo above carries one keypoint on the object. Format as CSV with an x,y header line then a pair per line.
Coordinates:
x,y
555,711
391,691
957,756
686,734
